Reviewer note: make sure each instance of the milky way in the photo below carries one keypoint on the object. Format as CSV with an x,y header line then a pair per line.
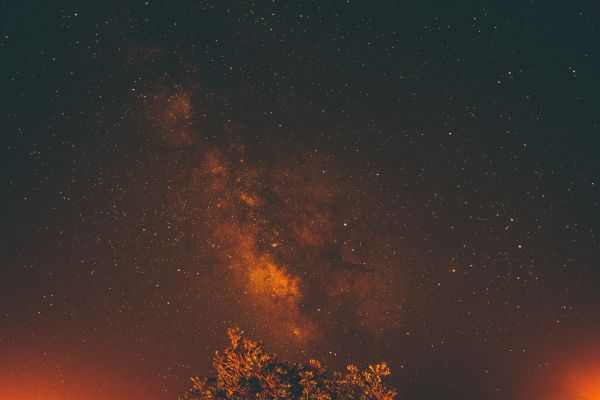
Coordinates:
x,y
349,182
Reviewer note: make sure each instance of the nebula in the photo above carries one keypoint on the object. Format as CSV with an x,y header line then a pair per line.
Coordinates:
x,y
284,235
273,231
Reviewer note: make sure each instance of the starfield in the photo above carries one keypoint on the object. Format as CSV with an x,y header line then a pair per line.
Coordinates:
x,y
390,199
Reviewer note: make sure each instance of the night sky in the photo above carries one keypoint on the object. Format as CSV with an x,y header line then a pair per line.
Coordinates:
x,y
353,181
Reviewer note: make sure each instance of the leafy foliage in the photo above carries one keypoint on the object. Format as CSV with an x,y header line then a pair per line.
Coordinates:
x,y
245,371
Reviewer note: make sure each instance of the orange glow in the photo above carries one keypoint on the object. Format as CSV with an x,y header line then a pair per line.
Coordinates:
x,y
54,377
250,264
574,379
584,383
272,280
249,200
171,111
270,227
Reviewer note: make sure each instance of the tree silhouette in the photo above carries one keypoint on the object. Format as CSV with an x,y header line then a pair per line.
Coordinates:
x,y
245,371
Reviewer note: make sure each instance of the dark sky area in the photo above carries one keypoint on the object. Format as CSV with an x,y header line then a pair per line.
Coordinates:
x,y
353,181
